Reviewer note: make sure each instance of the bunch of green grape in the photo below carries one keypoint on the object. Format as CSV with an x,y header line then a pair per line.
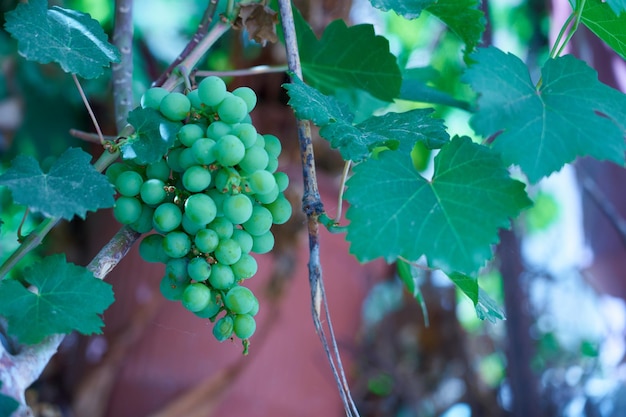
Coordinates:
x,y
212,200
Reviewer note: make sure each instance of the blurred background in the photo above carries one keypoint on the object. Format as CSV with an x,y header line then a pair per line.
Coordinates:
x,y
558,274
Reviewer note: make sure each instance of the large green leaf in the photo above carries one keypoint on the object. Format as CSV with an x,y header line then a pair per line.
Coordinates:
x,y
544,128
64,297
71,187
602,18
415,87
73,39
154,135
452,219
356,141
348,57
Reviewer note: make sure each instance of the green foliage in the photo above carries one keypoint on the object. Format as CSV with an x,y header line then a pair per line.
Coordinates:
x,y
71,187
154,135
73,39
618,7
540,128
7,404
355,142
603,20
544,212
452,219
416,87
486,307
348,57
64,297
410,9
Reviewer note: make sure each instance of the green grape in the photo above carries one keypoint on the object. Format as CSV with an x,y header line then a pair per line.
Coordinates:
x,y
247,95
218,129
223,329
176,244
196,297
260,141
282,180
213,307
272,145
237,208
239,300
244,239
212,90
263,243
199,269
151,249
200,208
144,223
223,227
128,183
152,191
190,133
229,150
280,209
261,182
196,178
175,106
152,97
232,109
255,308
272,164
167,217
222,277
114,170
268,198
260,221
218,197
202,150
227,180
176,270
173,159
206,240
127,210
186,158
194,99
191,227
247,133
227,252
172,290
158,170
244,326
245,267
255,159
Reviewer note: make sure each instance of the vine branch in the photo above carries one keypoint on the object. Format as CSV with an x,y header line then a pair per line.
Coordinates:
x,y
123,71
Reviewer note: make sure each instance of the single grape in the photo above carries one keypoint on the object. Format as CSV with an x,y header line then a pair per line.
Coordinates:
x,y
280,209
172,290
255,309
223,227
206,240
244,326
237,208
196,297
229,150
190,133
127,210
152,191
255,159
247,95
218,198
176,270
151,249
158,170
239,300
260,141
262,182
200,208
282,180
176,244
223,329
167,217
186,159
244,239
272,145
175,106
152,97
232,109
194,99
196,178
199,269
263,243
227,180
260,221
144,223
272,164
227,252
213,307
268,198
218,129
245,267
202,150
173,159
212,90
247,133
128,183
114,170
191,227
222,277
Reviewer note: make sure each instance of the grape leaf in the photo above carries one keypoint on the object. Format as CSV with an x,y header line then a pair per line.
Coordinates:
x,y
154,135
415,88
486,307
73,39
71,187
543,129
8,405
348,57
409,275
409,9
65,297
603,20
355,142
453,219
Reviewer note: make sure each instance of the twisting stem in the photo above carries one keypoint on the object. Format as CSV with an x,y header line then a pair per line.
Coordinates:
x,y
123,71
257,70
313,208
88,106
